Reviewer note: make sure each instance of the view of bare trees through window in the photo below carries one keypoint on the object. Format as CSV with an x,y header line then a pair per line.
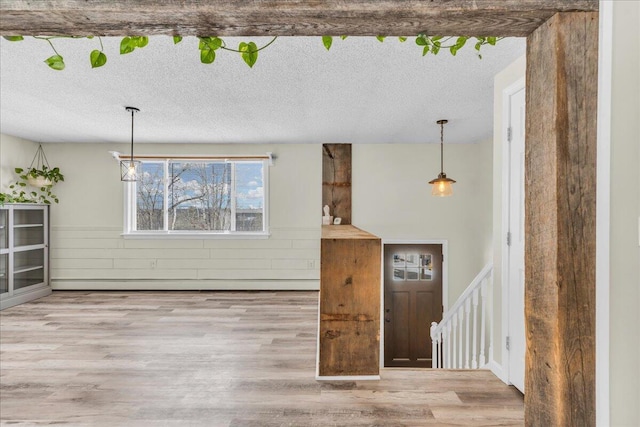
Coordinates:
x,y
206,196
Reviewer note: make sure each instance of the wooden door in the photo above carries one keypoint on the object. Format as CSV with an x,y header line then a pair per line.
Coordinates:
x,y
412,300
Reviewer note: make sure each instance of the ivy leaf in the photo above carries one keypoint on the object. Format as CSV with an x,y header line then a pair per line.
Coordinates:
x,y
478,46
343,37
328,40
207,56
435,48
126,46
425,50
492,40
98,59
249,53
13,38
460,42
19,170
55,62
177,39
142,41
422,40
402,39
436,38
381,38
212,43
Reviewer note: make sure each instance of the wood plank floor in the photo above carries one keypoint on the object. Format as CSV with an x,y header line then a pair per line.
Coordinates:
x,y
211,359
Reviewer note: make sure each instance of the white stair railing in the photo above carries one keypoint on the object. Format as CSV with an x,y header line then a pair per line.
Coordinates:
x,y
456,339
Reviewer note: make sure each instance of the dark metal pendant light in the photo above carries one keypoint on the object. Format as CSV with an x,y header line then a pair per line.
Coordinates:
x,y
129,167
442,185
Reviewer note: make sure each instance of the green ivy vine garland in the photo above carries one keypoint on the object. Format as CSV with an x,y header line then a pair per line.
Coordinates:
x,y
249,50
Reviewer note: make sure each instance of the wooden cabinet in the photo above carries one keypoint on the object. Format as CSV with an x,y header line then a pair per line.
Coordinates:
x,y
349,331
24,253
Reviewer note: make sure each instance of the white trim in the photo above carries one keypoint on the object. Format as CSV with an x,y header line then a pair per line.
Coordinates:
x,y
496,369
603,210
184,285
167,235
509,91
348,378
445,278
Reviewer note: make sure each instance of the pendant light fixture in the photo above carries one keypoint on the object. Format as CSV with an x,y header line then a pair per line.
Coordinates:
x,y
442,184
129,168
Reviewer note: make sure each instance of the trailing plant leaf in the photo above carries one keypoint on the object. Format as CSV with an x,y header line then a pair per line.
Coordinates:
x,y
381,38
327,41
126,46
207,56
13,38
98,59
402,39
425,50
343,37
130,43
55,62
249,52
177,39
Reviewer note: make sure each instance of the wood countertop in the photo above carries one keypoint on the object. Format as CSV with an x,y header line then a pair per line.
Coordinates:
x,y
345,232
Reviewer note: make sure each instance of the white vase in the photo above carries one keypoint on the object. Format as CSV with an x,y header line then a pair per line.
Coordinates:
x,y
39,181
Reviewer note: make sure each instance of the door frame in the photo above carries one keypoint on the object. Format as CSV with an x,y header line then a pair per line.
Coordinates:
x,y
510,90
445,277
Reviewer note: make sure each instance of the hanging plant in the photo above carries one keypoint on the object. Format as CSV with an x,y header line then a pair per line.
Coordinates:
x,y
40,176
248,50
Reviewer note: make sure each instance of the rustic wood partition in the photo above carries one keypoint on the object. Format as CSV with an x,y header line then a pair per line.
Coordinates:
x,y
562,78
349,302
336,180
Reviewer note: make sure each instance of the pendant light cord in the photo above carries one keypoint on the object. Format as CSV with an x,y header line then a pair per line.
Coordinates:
x,y
441,148
132,114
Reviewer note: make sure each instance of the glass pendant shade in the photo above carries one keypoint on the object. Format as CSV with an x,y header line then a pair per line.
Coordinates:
x,y
441,186
129,170
129,167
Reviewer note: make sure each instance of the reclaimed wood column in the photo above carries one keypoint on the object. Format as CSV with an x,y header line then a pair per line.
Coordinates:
x,y
336,180
560,218
349,302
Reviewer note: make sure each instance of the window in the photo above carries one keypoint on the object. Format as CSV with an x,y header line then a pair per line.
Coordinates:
x,y
183,196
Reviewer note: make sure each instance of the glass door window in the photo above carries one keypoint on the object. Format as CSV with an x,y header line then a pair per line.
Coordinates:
x,y
4,232
4,273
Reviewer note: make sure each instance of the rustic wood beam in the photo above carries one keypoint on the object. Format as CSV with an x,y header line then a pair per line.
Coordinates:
x,y
281,17
562,83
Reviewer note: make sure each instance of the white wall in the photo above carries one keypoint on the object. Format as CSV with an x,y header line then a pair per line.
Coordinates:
x,y
624,351
392,199
502,81
14,152
87,250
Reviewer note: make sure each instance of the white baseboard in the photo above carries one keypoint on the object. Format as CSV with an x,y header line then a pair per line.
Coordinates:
x,y
184,285
497,370
348,378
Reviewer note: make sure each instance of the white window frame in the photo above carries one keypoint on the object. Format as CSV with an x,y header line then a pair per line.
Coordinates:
x,y
130,194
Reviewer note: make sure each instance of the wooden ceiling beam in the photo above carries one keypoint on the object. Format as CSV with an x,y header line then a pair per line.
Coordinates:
x,y
281,17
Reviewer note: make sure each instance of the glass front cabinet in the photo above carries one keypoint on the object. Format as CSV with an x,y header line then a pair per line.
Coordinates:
x,y
24,253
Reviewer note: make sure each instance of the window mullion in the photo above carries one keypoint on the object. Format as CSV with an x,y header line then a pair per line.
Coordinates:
x,y
233,196
165,207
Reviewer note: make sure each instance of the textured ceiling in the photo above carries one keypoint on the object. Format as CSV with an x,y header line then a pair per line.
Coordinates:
x,y
362,91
